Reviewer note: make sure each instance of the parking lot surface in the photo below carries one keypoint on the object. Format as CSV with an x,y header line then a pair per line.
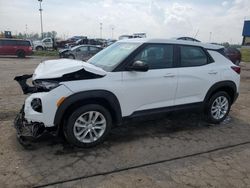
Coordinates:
x,y
179,150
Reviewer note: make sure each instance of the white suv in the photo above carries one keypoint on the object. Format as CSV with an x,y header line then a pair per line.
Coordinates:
x,y
131,78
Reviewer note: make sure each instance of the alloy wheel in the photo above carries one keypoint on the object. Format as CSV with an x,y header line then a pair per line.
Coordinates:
x,y
89,126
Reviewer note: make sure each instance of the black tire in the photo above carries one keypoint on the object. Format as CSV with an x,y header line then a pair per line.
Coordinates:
x,y
71,56
39,48
69,126
20,54
208,109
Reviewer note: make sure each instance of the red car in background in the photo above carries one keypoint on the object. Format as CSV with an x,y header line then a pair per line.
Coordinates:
x,y
233,54
18,47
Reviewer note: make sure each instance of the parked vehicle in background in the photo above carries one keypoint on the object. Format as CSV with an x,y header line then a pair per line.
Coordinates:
x,y
70,41
233,54
135,35
188,39
46,43
96,42
131,78
18,47
81,52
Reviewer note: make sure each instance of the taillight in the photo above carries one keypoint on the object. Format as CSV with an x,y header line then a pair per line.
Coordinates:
x,y
236,69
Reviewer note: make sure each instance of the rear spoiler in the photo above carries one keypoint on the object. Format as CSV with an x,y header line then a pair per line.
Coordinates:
x,y
22,81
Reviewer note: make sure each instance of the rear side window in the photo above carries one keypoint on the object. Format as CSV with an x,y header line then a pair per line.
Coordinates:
x,y
9,43
192,56
14,43
157,56
93,49
23,43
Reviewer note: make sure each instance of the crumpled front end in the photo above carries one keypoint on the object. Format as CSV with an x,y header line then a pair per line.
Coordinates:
x,y
37,114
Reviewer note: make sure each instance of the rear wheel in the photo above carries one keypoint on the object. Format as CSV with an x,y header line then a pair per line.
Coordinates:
x,y
88,126
218,107
39,48
20,53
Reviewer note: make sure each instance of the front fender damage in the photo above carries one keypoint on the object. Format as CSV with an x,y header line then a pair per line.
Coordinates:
x,y
22,81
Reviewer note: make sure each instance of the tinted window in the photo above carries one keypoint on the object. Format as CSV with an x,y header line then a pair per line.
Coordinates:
x,y
157,56
83,49
9,43
192,56
91,48
23,43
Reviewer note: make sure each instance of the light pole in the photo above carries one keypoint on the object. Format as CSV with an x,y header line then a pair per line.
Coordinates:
x,y
41,16
112,32
100,30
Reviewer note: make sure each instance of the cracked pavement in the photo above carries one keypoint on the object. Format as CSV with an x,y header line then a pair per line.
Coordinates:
x,y
136,143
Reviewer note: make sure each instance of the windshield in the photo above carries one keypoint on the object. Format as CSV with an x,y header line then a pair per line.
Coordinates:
x,y
113,55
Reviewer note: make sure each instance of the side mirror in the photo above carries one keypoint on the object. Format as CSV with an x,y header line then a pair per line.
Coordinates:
x,y
139,66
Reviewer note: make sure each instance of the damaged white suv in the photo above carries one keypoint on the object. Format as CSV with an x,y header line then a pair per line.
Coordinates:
x,y
131,78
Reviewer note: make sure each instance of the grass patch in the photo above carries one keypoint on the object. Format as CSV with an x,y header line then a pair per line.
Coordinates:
x,y
245,53
46,53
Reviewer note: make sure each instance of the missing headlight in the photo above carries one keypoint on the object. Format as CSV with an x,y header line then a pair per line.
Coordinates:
x,y
36,105
46,85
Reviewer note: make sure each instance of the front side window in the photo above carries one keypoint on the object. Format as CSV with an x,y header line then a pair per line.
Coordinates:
x,y
192,56
109,58
82,49
157,56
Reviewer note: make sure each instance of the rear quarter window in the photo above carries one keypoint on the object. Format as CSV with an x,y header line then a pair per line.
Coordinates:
x,y
192,56
23,43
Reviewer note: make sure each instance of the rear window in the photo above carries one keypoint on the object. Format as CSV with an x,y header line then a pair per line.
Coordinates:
x,y
14,43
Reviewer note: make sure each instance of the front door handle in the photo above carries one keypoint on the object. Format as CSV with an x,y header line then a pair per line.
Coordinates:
x,y
169,75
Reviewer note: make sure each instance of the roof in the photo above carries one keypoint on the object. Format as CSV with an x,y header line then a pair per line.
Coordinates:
x,y
169,41
14,39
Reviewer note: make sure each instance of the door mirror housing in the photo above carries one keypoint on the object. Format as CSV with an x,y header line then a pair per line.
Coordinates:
x,y
139,66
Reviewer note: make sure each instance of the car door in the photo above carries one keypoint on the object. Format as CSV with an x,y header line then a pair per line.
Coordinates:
x,y
155,88
48,42
196,74
2,47
81,53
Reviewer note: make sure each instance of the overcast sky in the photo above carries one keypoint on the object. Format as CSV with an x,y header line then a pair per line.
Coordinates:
x,y
158,18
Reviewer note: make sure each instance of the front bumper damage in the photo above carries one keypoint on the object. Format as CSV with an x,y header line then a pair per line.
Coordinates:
x,y
27,131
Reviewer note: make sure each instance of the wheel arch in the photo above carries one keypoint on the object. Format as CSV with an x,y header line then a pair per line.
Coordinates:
x,y
39,46
227,86
101,97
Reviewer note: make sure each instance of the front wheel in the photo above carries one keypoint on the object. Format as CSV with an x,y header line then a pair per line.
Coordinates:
x,y
88,125
71,56
218,107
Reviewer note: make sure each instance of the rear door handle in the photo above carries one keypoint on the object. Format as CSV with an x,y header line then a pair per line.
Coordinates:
x,y
169,75
212,72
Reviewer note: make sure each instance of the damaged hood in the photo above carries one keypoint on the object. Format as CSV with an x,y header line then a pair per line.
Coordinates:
x,y
57,68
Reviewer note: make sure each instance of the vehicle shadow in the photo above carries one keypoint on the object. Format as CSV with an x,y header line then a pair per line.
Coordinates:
x,y
159,126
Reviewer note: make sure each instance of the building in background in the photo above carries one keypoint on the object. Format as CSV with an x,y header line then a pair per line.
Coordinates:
x,y
246,33
245,49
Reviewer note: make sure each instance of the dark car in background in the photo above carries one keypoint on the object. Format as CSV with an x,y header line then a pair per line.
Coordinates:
x,y
97,42
81,52
233,54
